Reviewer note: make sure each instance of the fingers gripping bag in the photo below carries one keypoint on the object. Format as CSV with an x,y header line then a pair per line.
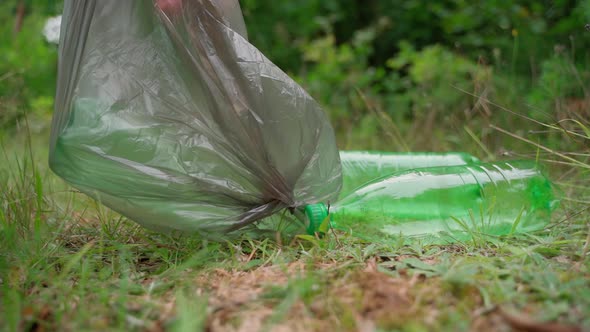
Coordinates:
x,y
168,115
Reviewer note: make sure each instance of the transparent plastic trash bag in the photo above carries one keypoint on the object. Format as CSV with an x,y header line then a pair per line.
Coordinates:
x,y
173,119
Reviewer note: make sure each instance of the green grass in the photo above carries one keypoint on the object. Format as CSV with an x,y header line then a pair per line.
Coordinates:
x,y
68,263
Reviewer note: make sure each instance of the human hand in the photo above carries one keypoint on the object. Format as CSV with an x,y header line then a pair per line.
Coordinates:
x,y
170,7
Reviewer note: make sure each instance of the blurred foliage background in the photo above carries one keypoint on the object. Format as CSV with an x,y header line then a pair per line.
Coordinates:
x,y
396,75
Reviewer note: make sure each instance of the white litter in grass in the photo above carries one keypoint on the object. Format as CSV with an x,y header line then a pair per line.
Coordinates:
x,y
51,29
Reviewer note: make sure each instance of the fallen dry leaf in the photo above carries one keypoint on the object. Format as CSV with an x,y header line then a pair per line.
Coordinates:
x,y
524,323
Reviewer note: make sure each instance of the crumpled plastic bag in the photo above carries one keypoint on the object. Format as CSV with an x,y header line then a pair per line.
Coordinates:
x,y
173,119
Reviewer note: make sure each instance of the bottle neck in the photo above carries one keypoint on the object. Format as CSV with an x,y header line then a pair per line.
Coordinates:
x,y
316,215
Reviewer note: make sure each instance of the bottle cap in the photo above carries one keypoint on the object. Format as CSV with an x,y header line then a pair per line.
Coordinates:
x,y
316,214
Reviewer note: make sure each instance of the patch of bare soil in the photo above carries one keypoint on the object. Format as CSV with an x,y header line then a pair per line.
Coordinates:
x,y
347,300
356,300
234,298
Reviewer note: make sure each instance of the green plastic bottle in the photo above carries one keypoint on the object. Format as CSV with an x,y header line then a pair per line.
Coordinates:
x,y
361,167
445,203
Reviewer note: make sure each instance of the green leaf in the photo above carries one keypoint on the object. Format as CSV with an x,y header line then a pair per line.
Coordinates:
x,y
517,221
417,264
309,238
325,225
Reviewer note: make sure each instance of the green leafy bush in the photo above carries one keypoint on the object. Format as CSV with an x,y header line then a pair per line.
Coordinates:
x,y
522,33
412,59
435,78
28,65
561,89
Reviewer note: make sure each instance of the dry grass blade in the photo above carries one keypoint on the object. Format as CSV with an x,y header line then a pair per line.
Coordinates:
x,y
556,126
479,143
559,154
387,124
